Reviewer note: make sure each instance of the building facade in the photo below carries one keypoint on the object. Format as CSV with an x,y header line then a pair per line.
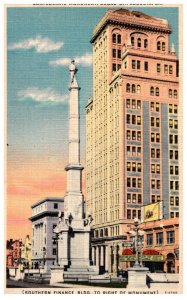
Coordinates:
x,y
44,219
131,128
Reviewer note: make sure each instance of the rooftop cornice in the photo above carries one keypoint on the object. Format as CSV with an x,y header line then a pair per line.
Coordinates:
x,y
59,200
132,21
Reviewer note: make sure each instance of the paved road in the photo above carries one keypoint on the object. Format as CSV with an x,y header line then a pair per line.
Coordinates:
x,y
23,284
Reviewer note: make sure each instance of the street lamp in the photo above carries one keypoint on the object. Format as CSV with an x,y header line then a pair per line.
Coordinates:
x,y
138,235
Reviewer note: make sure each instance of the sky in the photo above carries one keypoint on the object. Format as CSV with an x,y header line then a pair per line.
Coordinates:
x,y
41,42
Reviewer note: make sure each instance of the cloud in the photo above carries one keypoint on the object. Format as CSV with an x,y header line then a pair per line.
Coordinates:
x,y
84,60
42,96
42,45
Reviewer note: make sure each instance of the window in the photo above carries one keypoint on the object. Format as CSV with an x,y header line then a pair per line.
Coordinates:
x,y
152,168
171,154
176,185
171,170
128,87
158,184
170,93
176,139
171,185
139,214
152,91
153,184
133,182
128,119
152,103
113,67
138,64
159,238
133,64
139,135
157,91
133,151
128,150
139,167
153,198
119,38
128,135
170,107
172,214
138,104
138,89
165,69
138,120
134,198
158,137
113,52
128,166
146,66
139,198
132,40
163,46
176,170
119,53
171,201
152,137
133,119
157,122
152,121
177,214
128,182
128,198
125,64
152,152
158,169
158,45
128,214
55,206
176,155
158,68
133,88
149,239
175,109
157,153
170,123
158,198
133,135
145,43
157,106
114,38
175,94
139,42
170,69
177,201
128,103
54,251
170,237
139,183
134,214
134,167
133,103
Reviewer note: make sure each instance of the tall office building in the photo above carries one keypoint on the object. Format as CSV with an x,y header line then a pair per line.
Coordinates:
x,y
131,128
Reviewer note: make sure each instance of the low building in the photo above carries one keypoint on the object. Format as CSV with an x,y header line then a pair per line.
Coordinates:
x,y
13,252
160,246
44,219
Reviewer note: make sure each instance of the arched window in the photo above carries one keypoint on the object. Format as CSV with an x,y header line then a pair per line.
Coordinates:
x,y
145,43
158,45
157,91
132,40
138,89
170,93
139,42
114,38
152,91
119,38
133,88
175,93
128,87
163,46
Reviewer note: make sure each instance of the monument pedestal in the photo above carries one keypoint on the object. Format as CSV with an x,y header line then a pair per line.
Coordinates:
x,y
57,275
137,277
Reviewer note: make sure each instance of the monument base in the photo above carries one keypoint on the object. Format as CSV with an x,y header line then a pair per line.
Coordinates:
x,y
57,275
137,277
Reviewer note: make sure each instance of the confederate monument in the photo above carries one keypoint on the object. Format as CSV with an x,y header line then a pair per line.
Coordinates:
x,y
74,247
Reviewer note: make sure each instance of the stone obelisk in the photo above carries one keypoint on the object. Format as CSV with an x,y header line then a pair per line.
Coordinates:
x,y
74,248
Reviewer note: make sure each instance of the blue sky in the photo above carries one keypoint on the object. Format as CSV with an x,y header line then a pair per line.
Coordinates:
x,y
35,125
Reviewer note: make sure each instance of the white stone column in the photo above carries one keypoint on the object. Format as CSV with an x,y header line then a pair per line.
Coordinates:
x,y
97,255
102,255
106,258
